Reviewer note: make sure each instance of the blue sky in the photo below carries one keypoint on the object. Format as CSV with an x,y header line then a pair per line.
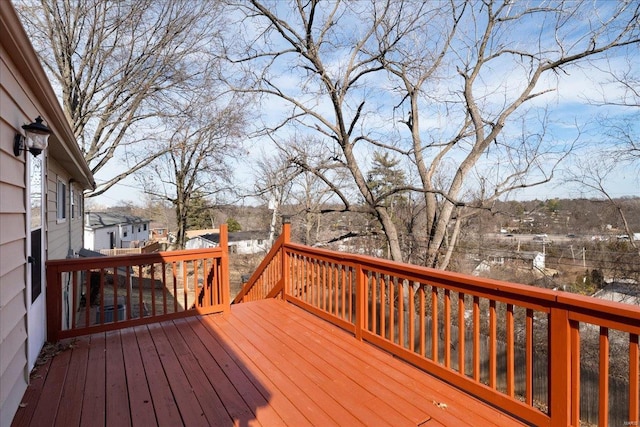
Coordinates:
x,y
568,110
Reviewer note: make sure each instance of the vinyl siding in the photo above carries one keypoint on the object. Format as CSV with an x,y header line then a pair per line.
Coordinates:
x,y
13,322
13,354
58,231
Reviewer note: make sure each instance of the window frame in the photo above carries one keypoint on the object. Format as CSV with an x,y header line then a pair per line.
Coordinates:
x,y
72,202
61,205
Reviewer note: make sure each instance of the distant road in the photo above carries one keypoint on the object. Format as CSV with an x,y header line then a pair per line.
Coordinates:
x,y
551,238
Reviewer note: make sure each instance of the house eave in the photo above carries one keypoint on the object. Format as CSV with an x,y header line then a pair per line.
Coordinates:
x,y
62,142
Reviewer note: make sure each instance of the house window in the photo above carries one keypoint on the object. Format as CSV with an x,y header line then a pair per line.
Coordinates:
x,y
80,204
61,201
139,229
72,200
144,227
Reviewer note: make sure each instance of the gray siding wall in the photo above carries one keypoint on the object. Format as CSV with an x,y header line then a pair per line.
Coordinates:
x,y
59,231
13,309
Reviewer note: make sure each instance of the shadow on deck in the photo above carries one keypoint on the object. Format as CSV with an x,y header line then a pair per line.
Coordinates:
x,y
266,363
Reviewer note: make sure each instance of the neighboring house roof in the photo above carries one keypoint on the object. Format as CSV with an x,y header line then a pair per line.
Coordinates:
x,y
523,255
62,142
620,291
195,233
88,253
97,220
238,236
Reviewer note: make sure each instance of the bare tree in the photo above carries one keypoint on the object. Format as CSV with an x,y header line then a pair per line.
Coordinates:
x,y
621,150
116,64
201,139
273,181
463,78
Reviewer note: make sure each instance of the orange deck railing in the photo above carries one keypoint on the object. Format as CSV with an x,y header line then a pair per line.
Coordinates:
x,y
548,357
86,295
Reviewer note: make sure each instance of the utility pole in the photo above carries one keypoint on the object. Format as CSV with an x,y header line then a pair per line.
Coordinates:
x,y
573,255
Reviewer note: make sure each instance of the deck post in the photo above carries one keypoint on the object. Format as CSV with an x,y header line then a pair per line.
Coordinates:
x,y
224,267
286,238
560,367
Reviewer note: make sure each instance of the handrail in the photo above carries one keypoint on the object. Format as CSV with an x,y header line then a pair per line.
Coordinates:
x,y
86,295
519,347
266,281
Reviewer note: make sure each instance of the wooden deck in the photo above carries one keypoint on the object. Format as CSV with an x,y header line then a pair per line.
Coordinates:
x,y
267,363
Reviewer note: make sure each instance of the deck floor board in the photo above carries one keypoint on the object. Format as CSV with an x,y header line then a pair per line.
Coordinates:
x,y
356,367
366,407
69,414
267,363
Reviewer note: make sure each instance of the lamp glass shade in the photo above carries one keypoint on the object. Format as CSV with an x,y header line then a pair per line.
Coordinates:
x,y
36,136
37,141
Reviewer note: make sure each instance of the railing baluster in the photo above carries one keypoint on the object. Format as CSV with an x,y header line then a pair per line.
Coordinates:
x,y
74,302
374,303
412,319
423,332
401,293
196,286
348,283
510,352
383,305
163,265
336,289
434,324
331,292
87,300
361,277
493,356
325,286
152,283
140,296
176,297
392,309
343,274
634,380
116,278
603,393
575,373
185,285
447,328
313,282
127,283
529,357
461,334
101,307
476,338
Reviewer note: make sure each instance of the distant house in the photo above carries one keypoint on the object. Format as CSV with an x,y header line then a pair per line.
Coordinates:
x,y
158,232
107,230
41,210
625,291
515,259
240,242
526,259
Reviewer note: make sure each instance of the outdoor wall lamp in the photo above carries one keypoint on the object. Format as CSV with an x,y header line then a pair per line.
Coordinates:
x,y
34,140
